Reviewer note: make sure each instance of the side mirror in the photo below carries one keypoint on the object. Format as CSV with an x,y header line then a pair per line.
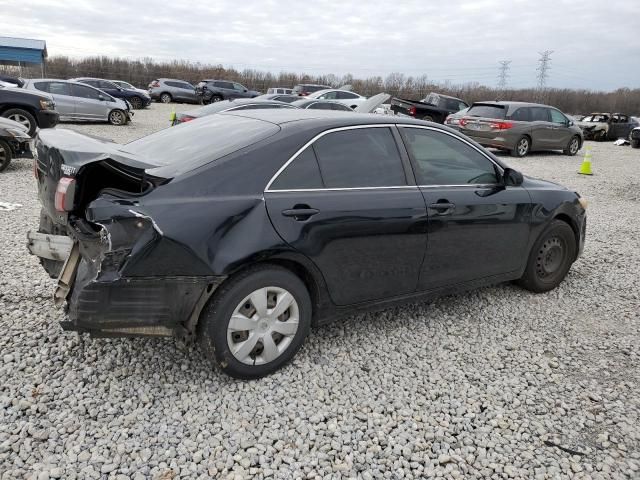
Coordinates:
x,y
570,123
512,178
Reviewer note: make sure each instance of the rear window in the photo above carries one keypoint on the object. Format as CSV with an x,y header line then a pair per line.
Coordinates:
x,y
487,111
180,149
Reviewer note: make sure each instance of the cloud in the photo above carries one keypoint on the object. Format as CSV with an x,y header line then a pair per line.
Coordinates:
x,y
459,41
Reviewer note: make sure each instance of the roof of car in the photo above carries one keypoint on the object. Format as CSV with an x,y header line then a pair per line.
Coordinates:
x,y
307,100
53,80
329,118
509,102
219,107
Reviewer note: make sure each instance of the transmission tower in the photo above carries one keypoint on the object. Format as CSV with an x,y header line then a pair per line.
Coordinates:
x,y
543,68
504,74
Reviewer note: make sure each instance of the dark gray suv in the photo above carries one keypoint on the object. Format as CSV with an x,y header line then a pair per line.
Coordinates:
x,y
210,91
520,128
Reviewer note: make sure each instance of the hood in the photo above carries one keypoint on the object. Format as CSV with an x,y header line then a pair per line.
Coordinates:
x,y
532,182
372,103
6,123
588,125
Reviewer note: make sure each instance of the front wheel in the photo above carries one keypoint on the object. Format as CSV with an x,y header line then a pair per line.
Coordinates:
x,y
5,155
600,136
635,143
166,98
572,147
256,322
522,147
550,258
136,102
117,117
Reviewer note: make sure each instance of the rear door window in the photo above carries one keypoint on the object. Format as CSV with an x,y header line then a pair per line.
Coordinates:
x,y
302,173
520,114
362,157
345,95
442,159
487,111
539,114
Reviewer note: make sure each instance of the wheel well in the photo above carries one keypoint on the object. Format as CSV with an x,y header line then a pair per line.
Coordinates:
x,y
26,108
567,219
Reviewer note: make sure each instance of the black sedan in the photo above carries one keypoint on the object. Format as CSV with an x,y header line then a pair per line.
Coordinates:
x,y
227,106
245,228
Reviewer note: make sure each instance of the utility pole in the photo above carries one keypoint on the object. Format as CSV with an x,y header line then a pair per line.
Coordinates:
x,y
504,74
543,68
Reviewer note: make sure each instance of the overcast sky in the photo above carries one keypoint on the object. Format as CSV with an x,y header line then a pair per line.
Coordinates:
x,y
596,44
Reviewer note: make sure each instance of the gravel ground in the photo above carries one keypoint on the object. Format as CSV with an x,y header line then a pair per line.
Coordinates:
x,y
495,383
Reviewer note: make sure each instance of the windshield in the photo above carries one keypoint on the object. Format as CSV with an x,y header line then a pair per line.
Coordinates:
x,y
185,147
596,119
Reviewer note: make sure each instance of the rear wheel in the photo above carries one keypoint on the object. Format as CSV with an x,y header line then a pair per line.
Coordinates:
x,y
635,143
5,155
136,102
427,118
550,258
522,147
22,116
166,98
117,117
216,98
256,322
572,147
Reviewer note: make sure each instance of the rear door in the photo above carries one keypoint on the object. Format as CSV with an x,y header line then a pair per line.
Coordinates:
x,y
347,203
61,93
477,228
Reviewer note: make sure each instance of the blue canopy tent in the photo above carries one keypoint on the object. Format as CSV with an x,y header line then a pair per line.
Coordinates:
x,y
23,51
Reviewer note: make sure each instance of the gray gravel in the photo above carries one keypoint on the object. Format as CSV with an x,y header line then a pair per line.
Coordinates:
x,y
495,383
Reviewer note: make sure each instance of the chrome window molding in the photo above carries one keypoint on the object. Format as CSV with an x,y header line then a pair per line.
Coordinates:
x,y
378,125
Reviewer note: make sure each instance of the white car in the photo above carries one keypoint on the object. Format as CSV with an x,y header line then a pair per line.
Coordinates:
x,y
128,86
279,90
342,96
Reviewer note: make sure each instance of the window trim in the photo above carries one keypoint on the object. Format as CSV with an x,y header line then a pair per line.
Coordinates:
x,y
391,126
484,154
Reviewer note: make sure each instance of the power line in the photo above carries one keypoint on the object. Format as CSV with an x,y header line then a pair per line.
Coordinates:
x,y
504,74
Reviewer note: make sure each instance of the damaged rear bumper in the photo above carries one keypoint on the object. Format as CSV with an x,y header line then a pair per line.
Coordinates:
x,y
104,298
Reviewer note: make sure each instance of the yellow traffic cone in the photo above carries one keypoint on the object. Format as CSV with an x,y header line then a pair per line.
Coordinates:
x,y
585,168
172,117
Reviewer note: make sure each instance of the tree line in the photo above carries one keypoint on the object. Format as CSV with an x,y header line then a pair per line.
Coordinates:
x,y
142,71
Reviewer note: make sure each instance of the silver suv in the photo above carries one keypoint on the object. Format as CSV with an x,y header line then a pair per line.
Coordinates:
x,y
168,90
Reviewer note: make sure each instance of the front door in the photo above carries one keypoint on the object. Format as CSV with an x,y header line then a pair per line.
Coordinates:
x,y
346,204
477,227
560,131
541,128
91,103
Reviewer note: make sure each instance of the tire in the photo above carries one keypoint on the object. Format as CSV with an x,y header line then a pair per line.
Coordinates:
x,y
216,98
52,267
550,258
572,147
233,350
635,143
522,147
5,155
136,103
22,116
600,136
166,97
427,118
117,117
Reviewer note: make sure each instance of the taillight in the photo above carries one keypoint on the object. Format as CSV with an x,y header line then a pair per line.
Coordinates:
x,y
501,125
65,192
463,122
412,110
185,118
304,94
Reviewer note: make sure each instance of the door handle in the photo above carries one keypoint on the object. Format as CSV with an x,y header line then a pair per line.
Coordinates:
x,y
300,212
443,208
